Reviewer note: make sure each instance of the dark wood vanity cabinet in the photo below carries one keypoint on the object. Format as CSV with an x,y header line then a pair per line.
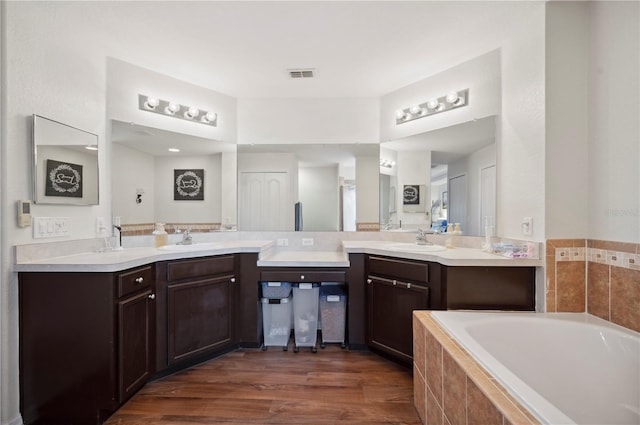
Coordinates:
x,y
86,343
395,288
199,297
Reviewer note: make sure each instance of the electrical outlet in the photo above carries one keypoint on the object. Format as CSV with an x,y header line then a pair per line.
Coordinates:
x,y
527,226
307,242
283,242
100,225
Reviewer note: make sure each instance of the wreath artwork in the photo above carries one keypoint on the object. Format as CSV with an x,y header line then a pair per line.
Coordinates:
x,y
63,179
189,185
411,194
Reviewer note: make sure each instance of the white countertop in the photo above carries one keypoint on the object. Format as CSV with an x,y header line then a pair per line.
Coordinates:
x,y
448,257
112,261
268,256
304,259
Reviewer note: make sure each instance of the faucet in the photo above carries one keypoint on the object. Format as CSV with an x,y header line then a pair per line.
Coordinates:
x,y
186,237
421,238
119,229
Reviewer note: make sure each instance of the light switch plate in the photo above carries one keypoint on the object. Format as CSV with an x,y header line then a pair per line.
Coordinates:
x,y
527,226
307,242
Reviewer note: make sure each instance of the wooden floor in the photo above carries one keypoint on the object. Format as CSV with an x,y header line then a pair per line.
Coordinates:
x,y
333,386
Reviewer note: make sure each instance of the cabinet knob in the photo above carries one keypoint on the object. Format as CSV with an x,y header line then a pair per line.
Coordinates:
x,y
139,279
233,280
369,281
152,296
408,286
301,277
395,283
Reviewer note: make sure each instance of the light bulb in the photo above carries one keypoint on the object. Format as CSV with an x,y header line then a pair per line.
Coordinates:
x,y
433,104
173,150
209,117
399,114
453,97
191,113
172,108
415,110
151,103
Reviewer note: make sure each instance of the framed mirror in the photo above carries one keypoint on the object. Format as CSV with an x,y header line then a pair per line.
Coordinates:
x,y
65,164
181,180
457,165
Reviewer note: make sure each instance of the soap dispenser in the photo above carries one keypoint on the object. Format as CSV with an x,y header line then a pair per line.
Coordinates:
x,y
160,235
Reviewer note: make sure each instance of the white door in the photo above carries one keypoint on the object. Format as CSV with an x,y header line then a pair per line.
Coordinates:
x,y
487,197
264,202
457,210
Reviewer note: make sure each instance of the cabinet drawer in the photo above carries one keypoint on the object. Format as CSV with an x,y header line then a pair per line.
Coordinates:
x,y
399,269
178,270
134,280
302,276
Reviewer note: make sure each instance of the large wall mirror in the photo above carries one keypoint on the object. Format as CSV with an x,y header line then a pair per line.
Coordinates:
x,y
65,164
307,187
180,180
455,167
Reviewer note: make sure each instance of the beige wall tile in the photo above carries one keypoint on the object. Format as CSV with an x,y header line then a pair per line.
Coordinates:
x,y
598,290
625,297
454,391
480,410
419,394
434,366
419,345
571,286
434,411
614,246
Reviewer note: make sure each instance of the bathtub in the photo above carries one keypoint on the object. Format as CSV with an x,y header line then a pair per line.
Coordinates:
x,y
565,368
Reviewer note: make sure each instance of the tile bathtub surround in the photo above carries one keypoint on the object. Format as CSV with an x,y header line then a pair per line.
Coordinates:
x,y
454,389
599,277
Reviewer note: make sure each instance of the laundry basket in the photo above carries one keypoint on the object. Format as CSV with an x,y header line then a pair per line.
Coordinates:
x,y
305,315
276,322
333,314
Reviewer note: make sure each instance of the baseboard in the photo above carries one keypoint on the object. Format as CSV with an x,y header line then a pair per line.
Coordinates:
x,y
15,421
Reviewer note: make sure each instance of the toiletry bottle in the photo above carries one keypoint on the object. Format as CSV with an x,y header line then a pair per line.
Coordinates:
x,y
160,235
449,242
458,231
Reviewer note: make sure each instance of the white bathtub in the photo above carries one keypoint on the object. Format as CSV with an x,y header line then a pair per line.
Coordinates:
x,y
566,368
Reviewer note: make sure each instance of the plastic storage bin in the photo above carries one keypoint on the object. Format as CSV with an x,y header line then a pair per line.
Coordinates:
x,y
276,322
305,315
275,289
333,314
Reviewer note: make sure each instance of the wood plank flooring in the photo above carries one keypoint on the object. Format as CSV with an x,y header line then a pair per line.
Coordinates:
x,y
333,386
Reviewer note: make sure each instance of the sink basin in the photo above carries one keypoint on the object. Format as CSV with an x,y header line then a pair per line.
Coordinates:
x,y
192,247
413,247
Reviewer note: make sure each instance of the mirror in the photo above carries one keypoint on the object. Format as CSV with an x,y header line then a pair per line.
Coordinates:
x,y
455,165
65,164
180,180
308,187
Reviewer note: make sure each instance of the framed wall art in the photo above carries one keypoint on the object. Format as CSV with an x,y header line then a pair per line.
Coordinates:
x,y
188,185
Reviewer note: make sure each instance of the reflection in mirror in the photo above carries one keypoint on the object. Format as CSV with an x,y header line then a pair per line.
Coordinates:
x,y
65,164
458,166
309,187
183,181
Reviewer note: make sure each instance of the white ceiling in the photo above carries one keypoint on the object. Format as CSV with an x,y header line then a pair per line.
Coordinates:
x,y
243,49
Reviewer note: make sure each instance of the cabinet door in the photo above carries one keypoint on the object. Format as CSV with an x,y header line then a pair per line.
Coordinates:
x,y
135,349
199,317
390,307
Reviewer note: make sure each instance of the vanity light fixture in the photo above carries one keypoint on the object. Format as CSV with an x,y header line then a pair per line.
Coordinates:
x,y
452,100
387,163
176,110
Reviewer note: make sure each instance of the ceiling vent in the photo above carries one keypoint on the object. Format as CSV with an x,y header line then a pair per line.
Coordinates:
x,y
302,73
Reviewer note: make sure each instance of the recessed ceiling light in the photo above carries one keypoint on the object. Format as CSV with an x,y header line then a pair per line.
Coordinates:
x,y
91,148
174,150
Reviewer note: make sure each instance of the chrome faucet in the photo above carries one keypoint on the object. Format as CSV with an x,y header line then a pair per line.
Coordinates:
x,y
186,237
421,238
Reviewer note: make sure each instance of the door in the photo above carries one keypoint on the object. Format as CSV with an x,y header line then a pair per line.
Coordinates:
x,y
487,197
135,348
264,202
457,211
199,317
390,315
